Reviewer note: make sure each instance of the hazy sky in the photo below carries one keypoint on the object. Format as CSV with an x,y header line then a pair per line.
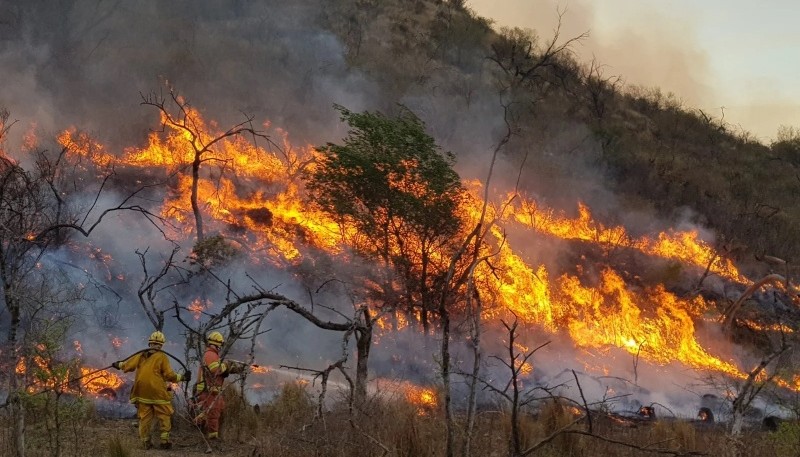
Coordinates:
x,y
740,55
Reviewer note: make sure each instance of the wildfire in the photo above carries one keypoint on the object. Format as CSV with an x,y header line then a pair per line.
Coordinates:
x,y
256,200
684,247
42,376
425,399
97,382
117,342
781,328
197,307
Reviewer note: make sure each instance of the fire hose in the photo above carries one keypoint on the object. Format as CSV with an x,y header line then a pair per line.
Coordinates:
x,y
76,379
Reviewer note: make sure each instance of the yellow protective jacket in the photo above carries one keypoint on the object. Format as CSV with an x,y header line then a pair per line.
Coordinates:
x,y
152,374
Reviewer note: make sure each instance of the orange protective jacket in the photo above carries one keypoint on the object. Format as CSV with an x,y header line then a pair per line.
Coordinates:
x,y
212,372
152,374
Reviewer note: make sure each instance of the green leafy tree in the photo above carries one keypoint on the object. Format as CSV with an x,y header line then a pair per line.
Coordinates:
x,y
396,187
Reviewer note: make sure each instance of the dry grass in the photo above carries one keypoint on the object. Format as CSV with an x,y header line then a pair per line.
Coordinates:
x,y
117,447
288,427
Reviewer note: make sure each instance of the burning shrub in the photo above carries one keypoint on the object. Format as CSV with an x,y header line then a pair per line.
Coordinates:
x,y
214,250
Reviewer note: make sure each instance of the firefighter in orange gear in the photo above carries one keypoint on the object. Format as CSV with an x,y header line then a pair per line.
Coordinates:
x,y
213,372
150,394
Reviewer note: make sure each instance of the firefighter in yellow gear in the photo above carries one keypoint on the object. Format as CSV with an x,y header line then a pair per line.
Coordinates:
x,y
150,394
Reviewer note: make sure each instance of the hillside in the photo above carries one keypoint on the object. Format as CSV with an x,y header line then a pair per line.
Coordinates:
x,y
579,127
573,121
396,194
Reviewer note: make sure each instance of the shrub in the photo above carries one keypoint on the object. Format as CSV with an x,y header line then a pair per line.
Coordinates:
x,y
291,404
787,439
116,448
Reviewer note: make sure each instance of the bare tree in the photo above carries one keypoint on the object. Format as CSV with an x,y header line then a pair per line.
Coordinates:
x,y
360,325
756,380
203,142
516,363
525,62
784,280
35,213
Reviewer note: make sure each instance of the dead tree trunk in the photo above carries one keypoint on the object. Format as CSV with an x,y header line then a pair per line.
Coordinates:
x,y
750,389
363,345
730,314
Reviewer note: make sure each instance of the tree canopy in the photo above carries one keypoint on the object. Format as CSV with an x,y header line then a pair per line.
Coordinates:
x,y
396,194
389,178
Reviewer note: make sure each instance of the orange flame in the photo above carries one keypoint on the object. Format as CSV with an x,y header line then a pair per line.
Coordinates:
x,y
117,342
90,380
424,399
685,247
255,199
197,307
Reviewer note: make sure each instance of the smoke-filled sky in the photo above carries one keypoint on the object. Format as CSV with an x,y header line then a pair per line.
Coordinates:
x,y
739,55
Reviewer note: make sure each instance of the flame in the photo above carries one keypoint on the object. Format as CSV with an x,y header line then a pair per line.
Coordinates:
x,y
685,247
781,328
255,199
424,399
197,307
117,342
96,382
84,380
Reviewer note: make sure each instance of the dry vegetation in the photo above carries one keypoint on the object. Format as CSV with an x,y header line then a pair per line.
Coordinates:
x,y
655,153
288,427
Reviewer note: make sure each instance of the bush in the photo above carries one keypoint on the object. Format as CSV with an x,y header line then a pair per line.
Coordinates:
x,y
239,420
292,404
116,448
787,439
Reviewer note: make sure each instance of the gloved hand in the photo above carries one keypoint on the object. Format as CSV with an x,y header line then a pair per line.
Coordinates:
x,y
117,365
234,367
186,376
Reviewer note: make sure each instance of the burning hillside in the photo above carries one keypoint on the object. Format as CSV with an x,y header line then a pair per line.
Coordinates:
x,y
254,196
601,246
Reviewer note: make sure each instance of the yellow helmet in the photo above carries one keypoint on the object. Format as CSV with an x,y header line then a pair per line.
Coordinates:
x,y
157,338
216,339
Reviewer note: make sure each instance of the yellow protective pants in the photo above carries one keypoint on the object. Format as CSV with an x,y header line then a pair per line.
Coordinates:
x,y
146,413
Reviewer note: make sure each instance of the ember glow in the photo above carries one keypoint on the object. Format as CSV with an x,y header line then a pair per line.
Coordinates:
x,y
197,307
117,342
425,399
256,200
